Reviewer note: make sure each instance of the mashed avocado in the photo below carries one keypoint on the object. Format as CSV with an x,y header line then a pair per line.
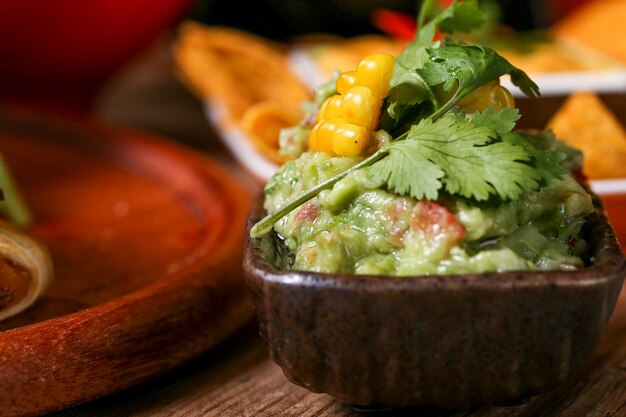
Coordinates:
x,y
415,166
360,227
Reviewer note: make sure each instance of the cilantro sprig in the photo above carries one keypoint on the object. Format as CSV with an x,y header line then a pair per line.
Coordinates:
x,y
411,94
462,156
458,17
467,67
436,150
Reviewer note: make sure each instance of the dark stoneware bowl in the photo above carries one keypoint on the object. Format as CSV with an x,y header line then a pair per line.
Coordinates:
x,y
446,341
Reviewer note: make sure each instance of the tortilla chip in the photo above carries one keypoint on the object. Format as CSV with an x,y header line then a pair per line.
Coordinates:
x,y
262,124
235,69
244,75
587,124
599,24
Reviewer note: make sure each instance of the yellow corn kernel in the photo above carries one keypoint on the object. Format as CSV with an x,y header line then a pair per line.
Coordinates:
x,y
477,100
320,113
506,98
375,72
314,144
350,139
491,95
345,81
333,109
359,106
326,133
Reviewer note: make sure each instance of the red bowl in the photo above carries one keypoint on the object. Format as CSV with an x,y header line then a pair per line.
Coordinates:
x,y
75,42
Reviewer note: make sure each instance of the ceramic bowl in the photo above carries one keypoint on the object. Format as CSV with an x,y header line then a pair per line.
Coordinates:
x,y
451,341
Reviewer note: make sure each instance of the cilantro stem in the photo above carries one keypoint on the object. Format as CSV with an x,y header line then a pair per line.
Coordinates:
x,y
13,205
425,11
446,107
265,225
402,136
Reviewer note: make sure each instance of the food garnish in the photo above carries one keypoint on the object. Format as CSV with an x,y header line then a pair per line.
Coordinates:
x,y
431,139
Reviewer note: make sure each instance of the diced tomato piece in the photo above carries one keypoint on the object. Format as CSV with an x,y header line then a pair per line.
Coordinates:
x,y
435,220
309,211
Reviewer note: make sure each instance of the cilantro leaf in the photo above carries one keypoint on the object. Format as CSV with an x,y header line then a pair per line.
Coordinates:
x,y
407,174
412,57
456,68
459,17
469,67
548,163
408,87
474,163
475,166
501,122
462,17
397,118
408,91
573,156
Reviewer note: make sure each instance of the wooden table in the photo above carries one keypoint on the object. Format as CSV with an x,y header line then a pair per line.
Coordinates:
x,y
237,378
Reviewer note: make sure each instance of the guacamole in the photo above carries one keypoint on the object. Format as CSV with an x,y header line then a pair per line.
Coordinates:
x,y
412,165
359,227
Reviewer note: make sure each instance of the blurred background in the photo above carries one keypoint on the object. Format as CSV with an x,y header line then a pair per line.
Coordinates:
x,y
61,56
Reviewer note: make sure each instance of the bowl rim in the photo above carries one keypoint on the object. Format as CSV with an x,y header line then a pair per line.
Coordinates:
x,y
609,262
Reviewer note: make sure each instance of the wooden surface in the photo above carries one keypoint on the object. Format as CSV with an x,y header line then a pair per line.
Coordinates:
x,y
237,380
146,259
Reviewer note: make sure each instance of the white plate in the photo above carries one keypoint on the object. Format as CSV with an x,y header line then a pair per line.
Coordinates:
x,y
566,83
305,68
608,187
241,147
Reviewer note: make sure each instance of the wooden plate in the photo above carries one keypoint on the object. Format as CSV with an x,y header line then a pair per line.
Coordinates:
x,y
146,239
